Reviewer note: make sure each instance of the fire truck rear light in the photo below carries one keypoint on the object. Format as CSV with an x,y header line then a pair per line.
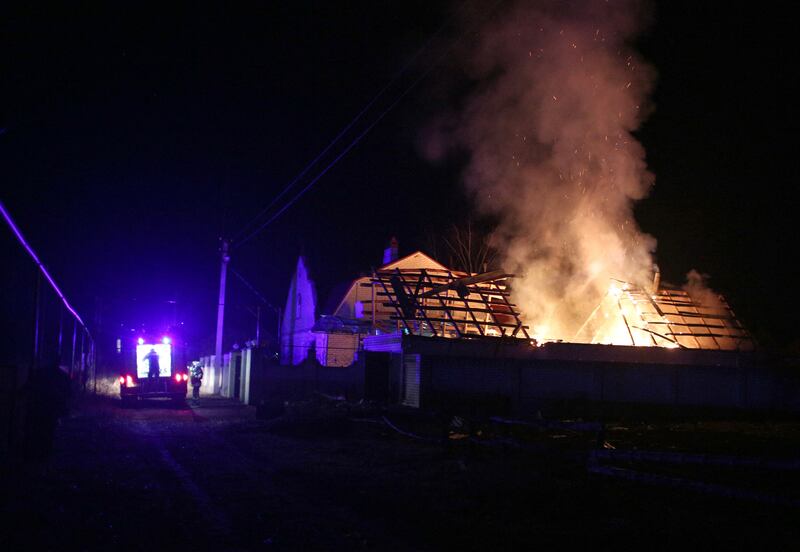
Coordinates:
x,y
185,377
128,380
121,380
178,378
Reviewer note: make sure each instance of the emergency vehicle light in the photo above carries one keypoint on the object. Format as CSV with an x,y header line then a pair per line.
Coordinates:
x,y
165,340
164,354
128,380
178,378
185,377
121,380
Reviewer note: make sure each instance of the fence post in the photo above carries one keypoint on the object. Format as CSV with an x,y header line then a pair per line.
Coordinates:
x,y
93,356
60,332
74,339
36,320
83,363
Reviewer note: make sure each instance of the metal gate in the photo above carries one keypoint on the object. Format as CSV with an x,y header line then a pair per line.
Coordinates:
x,y
411,378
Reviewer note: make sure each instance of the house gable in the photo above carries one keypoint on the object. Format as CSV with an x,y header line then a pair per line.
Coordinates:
x,y
357,293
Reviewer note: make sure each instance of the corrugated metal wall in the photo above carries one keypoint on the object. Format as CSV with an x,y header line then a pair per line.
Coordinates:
x,y
412,379
385,343
524,382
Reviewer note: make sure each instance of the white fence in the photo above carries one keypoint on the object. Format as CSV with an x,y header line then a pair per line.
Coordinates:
x,y
231,379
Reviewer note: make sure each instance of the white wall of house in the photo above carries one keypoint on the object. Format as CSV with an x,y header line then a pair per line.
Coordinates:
x,y
336,348
357,302
298,317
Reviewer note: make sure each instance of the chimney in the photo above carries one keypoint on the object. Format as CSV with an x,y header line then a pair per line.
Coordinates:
x,y
656,279
390,254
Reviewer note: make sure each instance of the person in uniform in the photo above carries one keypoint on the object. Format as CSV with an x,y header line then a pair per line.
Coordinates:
x,y
154,370
197,379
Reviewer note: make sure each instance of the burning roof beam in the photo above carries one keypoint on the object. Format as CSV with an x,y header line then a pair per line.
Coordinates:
x,y
450,304
667,318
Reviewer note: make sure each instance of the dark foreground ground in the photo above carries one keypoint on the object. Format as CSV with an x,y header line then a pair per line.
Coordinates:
x,y
212,476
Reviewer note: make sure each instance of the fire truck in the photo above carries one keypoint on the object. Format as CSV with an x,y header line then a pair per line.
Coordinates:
x,y
155,372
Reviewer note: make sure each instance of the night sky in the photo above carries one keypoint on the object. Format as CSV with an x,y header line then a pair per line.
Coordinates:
x,y
132,139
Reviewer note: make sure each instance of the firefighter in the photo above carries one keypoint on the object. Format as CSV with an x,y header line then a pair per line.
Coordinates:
x,y
152,359
197,379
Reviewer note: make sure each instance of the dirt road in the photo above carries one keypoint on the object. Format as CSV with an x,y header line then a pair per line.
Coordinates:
x,y
212,477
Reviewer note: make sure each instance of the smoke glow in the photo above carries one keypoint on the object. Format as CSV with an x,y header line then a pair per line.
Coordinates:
x,y
549,132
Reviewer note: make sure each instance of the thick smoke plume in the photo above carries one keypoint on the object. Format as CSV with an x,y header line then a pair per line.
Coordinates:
x,y
552,155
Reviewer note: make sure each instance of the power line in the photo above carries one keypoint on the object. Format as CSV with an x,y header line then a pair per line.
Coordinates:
x,y
341,133
330,165
327,148
252,288
353,143
358,138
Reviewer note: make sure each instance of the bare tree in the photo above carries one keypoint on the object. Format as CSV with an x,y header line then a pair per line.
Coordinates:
x,y
469,249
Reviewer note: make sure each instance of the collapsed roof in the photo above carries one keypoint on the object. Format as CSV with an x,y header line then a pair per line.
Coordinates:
x,y
630,315
420,296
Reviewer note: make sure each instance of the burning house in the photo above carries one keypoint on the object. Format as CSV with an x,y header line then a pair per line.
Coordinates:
x,y
552,155
369,306
461,338
440,302
419,333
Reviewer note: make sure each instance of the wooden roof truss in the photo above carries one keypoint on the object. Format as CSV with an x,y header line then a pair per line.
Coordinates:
x,y
444,303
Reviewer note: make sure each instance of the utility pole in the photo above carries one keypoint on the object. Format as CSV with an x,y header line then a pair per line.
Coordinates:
x,y
225,259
